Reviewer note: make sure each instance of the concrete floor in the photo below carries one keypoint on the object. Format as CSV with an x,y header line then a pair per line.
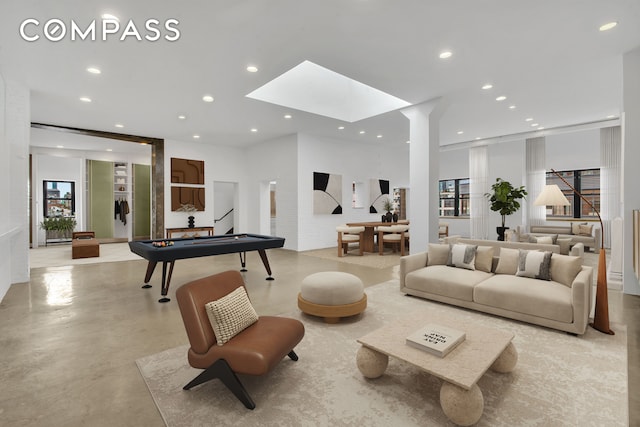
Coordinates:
x,y
70,337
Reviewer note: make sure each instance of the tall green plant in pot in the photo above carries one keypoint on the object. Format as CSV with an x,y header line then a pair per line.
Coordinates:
x,y
504,199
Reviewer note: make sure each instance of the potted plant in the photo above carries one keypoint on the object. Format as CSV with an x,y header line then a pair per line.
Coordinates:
x,y
58,227
504,199
387,206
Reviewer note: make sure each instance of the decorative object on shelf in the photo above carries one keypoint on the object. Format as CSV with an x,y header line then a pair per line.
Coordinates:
x,y
552,196
504,199
327,193
187,207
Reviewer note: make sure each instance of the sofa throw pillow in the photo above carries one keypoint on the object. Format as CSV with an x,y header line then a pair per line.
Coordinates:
x,y
585,230
231,314
565,268
462,256
575,227
484,258
534,264
565,245
508,261
437,254
546,240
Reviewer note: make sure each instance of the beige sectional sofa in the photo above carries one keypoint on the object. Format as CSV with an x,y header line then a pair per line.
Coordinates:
x,y
588,235
562,303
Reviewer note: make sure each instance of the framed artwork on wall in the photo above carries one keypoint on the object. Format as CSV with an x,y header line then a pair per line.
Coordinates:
x,y
327,193
181,196
378,194
184,171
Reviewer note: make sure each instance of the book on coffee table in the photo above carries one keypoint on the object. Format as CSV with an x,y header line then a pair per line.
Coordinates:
x,y
436,339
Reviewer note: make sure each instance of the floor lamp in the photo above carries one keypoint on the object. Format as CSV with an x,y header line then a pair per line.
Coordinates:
x,y
552,196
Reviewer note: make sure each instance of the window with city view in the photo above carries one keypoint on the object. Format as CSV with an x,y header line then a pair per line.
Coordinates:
x,y
454,197
587,182
59,198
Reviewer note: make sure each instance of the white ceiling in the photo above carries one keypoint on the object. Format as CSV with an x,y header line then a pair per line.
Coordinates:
x,y
547,57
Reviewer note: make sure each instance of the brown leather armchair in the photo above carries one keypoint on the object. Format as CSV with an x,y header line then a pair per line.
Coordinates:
x,y
254,351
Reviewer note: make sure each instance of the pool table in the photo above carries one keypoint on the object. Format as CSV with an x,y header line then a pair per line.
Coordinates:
x,y
175,249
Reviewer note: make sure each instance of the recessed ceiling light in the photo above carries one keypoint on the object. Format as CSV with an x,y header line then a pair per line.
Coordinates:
x,y
362,132
408,142
207,98
487,86
541,128
608,26
528,119
340,127
94,70
182,117
110,16
59,146
287,116
534,125
109,149
446,54
610,116
252,69
85,99
379,136
460,132
119,125
196,136
501,98
512,107
478,138
254,130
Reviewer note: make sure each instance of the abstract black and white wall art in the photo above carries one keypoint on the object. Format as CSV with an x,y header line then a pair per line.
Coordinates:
x,y
379,193
327,193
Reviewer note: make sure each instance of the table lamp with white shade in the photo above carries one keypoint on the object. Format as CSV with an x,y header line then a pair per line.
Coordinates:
x,y
551,195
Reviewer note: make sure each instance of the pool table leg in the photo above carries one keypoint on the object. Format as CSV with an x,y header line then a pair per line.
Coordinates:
x,y
147,276
265,261
166,280
243,261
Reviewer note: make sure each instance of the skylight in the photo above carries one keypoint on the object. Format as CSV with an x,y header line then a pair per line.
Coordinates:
x,y
318,90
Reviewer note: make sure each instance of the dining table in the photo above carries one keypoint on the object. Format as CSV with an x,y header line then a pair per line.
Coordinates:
x,y
368,244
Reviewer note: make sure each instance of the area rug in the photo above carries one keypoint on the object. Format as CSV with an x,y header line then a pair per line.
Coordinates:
x,y
60,255
389,259
559,380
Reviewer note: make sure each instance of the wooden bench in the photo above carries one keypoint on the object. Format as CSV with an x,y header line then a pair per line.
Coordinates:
x,y
84,245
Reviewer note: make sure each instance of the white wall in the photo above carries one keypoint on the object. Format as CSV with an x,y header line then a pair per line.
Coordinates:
x,y
14,170
630,156
273,160
221,163
355,162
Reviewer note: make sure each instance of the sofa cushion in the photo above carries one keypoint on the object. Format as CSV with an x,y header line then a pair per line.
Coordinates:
x,y
565,245
585,230
534,264
438,254
547,240
575,227
446,281
508,262
565,268
547,299
462,256
484,258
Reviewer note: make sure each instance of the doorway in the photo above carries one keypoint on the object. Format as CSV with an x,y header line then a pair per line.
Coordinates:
x,y
224,206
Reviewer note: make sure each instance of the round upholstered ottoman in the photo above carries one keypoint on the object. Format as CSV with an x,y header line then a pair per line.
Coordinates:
x,y
332,295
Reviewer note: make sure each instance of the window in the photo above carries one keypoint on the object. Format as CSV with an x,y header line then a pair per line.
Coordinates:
x,y
59,198
587,182
454,197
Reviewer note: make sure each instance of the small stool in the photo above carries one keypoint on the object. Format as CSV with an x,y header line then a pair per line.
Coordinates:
x,y
332,295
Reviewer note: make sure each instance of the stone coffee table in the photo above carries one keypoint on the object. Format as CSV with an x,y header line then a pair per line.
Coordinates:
x,y
460,396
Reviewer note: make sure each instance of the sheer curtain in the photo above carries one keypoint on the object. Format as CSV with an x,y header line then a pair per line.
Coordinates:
x,y
535,180
478,186
610,170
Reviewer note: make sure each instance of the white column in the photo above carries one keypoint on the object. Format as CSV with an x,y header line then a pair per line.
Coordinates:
x,y
630,156
610,178
423,171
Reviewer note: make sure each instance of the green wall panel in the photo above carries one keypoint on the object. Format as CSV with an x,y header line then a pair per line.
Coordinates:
x,y
141,201
101,202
